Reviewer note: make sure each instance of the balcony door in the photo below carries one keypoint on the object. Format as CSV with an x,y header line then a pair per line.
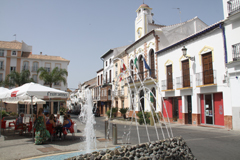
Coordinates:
x,y
169,77
185,73
152,64
207,68
140,61
141,96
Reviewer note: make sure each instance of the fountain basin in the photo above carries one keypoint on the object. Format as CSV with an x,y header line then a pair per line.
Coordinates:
x,y
173,148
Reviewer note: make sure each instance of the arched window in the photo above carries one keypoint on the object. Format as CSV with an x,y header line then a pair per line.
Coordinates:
x,y
141,69
152,62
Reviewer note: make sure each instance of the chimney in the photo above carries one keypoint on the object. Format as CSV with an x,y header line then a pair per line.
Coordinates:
x,y
40,53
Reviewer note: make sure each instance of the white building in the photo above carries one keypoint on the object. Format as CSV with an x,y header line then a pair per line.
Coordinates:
x,y
231,10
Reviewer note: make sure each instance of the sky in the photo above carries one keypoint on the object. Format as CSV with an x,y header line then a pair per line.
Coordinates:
x,y
83,30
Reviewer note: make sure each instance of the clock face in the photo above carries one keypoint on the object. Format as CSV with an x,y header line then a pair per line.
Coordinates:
x,y
139,32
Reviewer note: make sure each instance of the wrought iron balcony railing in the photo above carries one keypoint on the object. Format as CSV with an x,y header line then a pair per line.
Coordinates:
x,y
24,68
183,81
118,93
34,68
167,85
233,6
236,52
142,75
206,77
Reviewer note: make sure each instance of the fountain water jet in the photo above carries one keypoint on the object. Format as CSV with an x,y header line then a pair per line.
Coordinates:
x,y
88,118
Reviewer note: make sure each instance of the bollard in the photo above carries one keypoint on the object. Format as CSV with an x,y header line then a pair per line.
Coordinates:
x,y
114,134
106,130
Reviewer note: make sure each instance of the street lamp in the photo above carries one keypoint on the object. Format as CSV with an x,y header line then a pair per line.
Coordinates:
x,y
184,50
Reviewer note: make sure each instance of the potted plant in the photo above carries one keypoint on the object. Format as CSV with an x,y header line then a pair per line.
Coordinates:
x,y
123,112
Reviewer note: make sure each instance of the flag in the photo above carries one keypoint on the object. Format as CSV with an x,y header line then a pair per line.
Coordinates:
x,y
146,66
135,62
151,97
124,67
120,75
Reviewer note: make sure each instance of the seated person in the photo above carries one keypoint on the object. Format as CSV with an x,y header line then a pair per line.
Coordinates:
x,y
46,116
20,123
69,118
66,122
51,120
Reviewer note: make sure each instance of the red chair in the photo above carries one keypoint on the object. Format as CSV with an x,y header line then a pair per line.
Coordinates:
x,y
29,127
18,127
51,130
71,129
3,125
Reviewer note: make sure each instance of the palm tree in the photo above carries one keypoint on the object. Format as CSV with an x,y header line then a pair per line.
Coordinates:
x,y
55,76
17,79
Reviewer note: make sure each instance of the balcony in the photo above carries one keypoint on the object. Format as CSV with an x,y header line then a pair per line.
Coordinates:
x,y
233,6
142,76
25,68
107,81
206,78
236,52
35,68
118,93
167,85
183,82
105,93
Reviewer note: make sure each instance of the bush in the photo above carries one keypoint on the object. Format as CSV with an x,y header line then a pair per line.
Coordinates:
x,y
62,110
114,111
4,113
141,118
123,111
13,114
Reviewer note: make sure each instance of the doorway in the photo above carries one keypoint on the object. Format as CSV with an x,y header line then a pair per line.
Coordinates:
x,y
189,103
175,109
208,109
141,96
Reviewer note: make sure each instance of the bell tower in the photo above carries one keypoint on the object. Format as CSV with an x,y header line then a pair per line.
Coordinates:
x,y
144,17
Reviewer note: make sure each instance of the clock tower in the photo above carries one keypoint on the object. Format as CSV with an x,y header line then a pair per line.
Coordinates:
x,y
144,18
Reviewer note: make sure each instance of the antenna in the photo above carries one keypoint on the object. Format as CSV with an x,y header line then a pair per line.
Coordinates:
x,y
15,36
179,14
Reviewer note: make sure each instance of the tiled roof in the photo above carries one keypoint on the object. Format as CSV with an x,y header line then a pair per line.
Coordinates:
x,y
46,57
11,45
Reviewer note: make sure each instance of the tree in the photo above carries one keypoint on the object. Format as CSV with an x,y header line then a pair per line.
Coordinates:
x,y
55,76
17,79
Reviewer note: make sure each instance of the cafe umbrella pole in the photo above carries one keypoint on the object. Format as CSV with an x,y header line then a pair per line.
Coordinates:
x,y
32,118
1,119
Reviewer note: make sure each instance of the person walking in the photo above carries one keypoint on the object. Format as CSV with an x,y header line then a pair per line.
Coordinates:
x,y
41,134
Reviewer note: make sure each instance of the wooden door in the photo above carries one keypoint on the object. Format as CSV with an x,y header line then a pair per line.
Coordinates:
x,y
152,65
169,77
185,73
207,68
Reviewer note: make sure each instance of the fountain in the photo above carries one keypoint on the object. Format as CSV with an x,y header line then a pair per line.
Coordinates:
x,y
88,118
165,148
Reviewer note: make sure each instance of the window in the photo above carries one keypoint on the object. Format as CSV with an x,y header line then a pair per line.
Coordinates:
x,y
35,66
1,77
169,77
1,52
101,78
57,83
35,78
14,53
106,63
106,78
1,64
110,76
58,65
25,65
48,67
110,60
98,80
12,69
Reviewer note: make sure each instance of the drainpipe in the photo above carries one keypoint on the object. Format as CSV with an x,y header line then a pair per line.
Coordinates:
x,y
224,41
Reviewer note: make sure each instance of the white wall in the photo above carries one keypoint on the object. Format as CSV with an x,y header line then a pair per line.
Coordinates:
x,y
203,44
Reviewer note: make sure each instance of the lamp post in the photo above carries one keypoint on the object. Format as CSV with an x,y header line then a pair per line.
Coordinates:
x,y
184,50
